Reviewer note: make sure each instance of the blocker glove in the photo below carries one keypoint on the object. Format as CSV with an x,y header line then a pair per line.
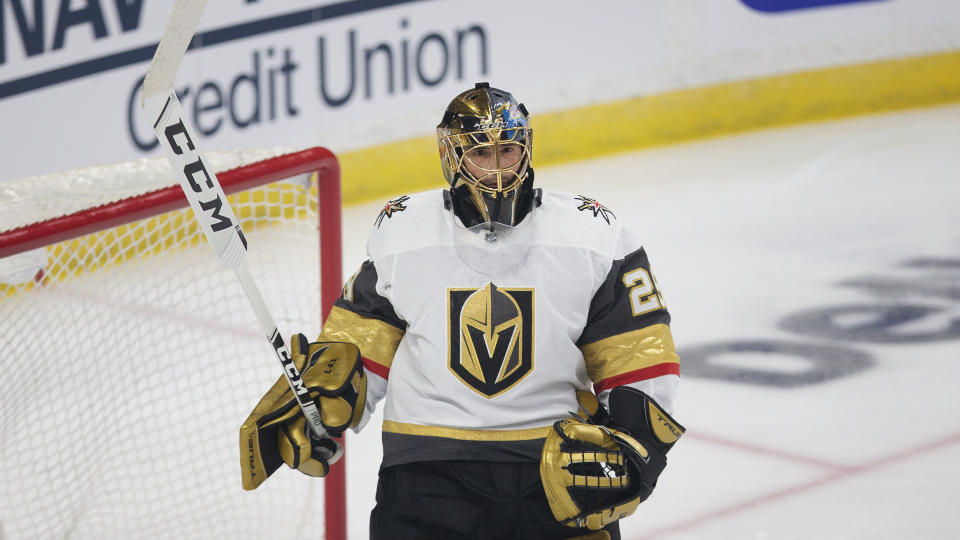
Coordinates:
x,y
595,474
276,430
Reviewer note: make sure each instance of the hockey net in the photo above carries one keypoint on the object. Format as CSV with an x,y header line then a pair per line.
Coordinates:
x,y
128,359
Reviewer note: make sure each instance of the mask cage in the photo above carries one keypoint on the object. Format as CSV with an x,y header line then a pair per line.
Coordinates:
x,y
456,148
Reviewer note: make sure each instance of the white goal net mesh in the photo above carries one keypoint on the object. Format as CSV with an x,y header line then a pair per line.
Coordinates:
x,y
128,361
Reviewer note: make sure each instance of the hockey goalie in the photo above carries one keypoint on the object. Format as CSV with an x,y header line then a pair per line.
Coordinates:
x,y
517,339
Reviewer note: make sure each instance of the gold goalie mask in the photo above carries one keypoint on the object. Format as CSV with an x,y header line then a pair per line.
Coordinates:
x,y
486,145
596,474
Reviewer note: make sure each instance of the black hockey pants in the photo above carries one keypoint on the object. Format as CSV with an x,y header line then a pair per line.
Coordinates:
x,y
461,500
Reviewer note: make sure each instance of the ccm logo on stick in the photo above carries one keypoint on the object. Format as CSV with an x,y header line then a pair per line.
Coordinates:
x,y
214,206
292,372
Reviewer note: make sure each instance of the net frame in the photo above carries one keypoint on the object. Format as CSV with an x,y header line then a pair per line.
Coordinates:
x,y
166,199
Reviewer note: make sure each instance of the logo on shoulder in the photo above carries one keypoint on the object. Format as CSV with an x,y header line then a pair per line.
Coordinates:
x,y
391,208
592,205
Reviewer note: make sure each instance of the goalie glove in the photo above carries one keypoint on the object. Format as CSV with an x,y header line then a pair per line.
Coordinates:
x,y
276,431
596,474
639,415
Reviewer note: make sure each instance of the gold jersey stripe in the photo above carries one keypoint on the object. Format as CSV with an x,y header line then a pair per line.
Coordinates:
x,y
377,340
390,426
629,351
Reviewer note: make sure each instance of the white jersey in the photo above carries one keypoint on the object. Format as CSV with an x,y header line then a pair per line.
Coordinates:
x,y
478,341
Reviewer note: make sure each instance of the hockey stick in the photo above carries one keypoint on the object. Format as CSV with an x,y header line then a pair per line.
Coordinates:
x,y
202,189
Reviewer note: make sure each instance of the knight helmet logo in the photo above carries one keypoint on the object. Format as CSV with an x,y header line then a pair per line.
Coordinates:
x,y
490,337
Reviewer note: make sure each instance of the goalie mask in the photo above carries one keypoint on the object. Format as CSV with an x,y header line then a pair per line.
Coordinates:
x,y
485,149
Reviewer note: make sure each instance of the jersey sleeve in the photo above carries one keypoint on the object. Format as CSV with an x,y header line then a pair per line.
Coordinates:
x,y
627,338
367,319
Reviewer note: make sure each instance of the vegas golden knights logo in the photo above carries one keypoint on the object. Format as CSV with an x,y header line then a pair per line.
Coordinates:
x,y
490,337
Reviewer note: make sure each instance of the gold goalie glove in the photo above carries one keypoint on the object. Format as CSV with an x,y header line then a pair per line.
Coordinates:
x,y
276,430
596,474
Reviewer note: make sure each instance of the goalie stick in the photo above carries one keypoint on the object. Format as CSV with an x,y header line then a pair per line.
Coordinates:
x,y
202,189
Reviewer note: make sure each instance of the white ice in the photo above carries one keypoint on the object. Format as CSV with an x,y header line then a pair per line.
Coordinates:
x,y
744,231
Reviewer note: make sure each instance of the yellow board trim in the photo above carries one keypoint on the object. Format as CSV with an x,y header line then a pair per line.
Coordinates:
x,y
644,121
390,426
630,351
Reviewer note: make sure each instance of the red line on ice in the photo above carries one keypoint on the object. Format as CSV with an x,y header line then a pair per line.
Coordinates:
x,y
764,451
178,317
789,491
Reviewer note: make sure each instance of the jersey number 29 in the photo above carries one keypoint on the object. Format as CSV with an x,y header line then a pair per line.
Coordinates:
x,y
643,299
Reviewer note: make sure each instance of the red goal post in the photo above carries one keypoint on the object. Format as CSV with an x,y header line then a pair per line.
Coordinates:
x,y
103,309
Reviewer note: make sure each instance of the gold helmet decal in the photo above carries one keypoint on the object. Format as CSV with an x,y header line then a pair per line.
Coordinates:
x,y
490,328
491,337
